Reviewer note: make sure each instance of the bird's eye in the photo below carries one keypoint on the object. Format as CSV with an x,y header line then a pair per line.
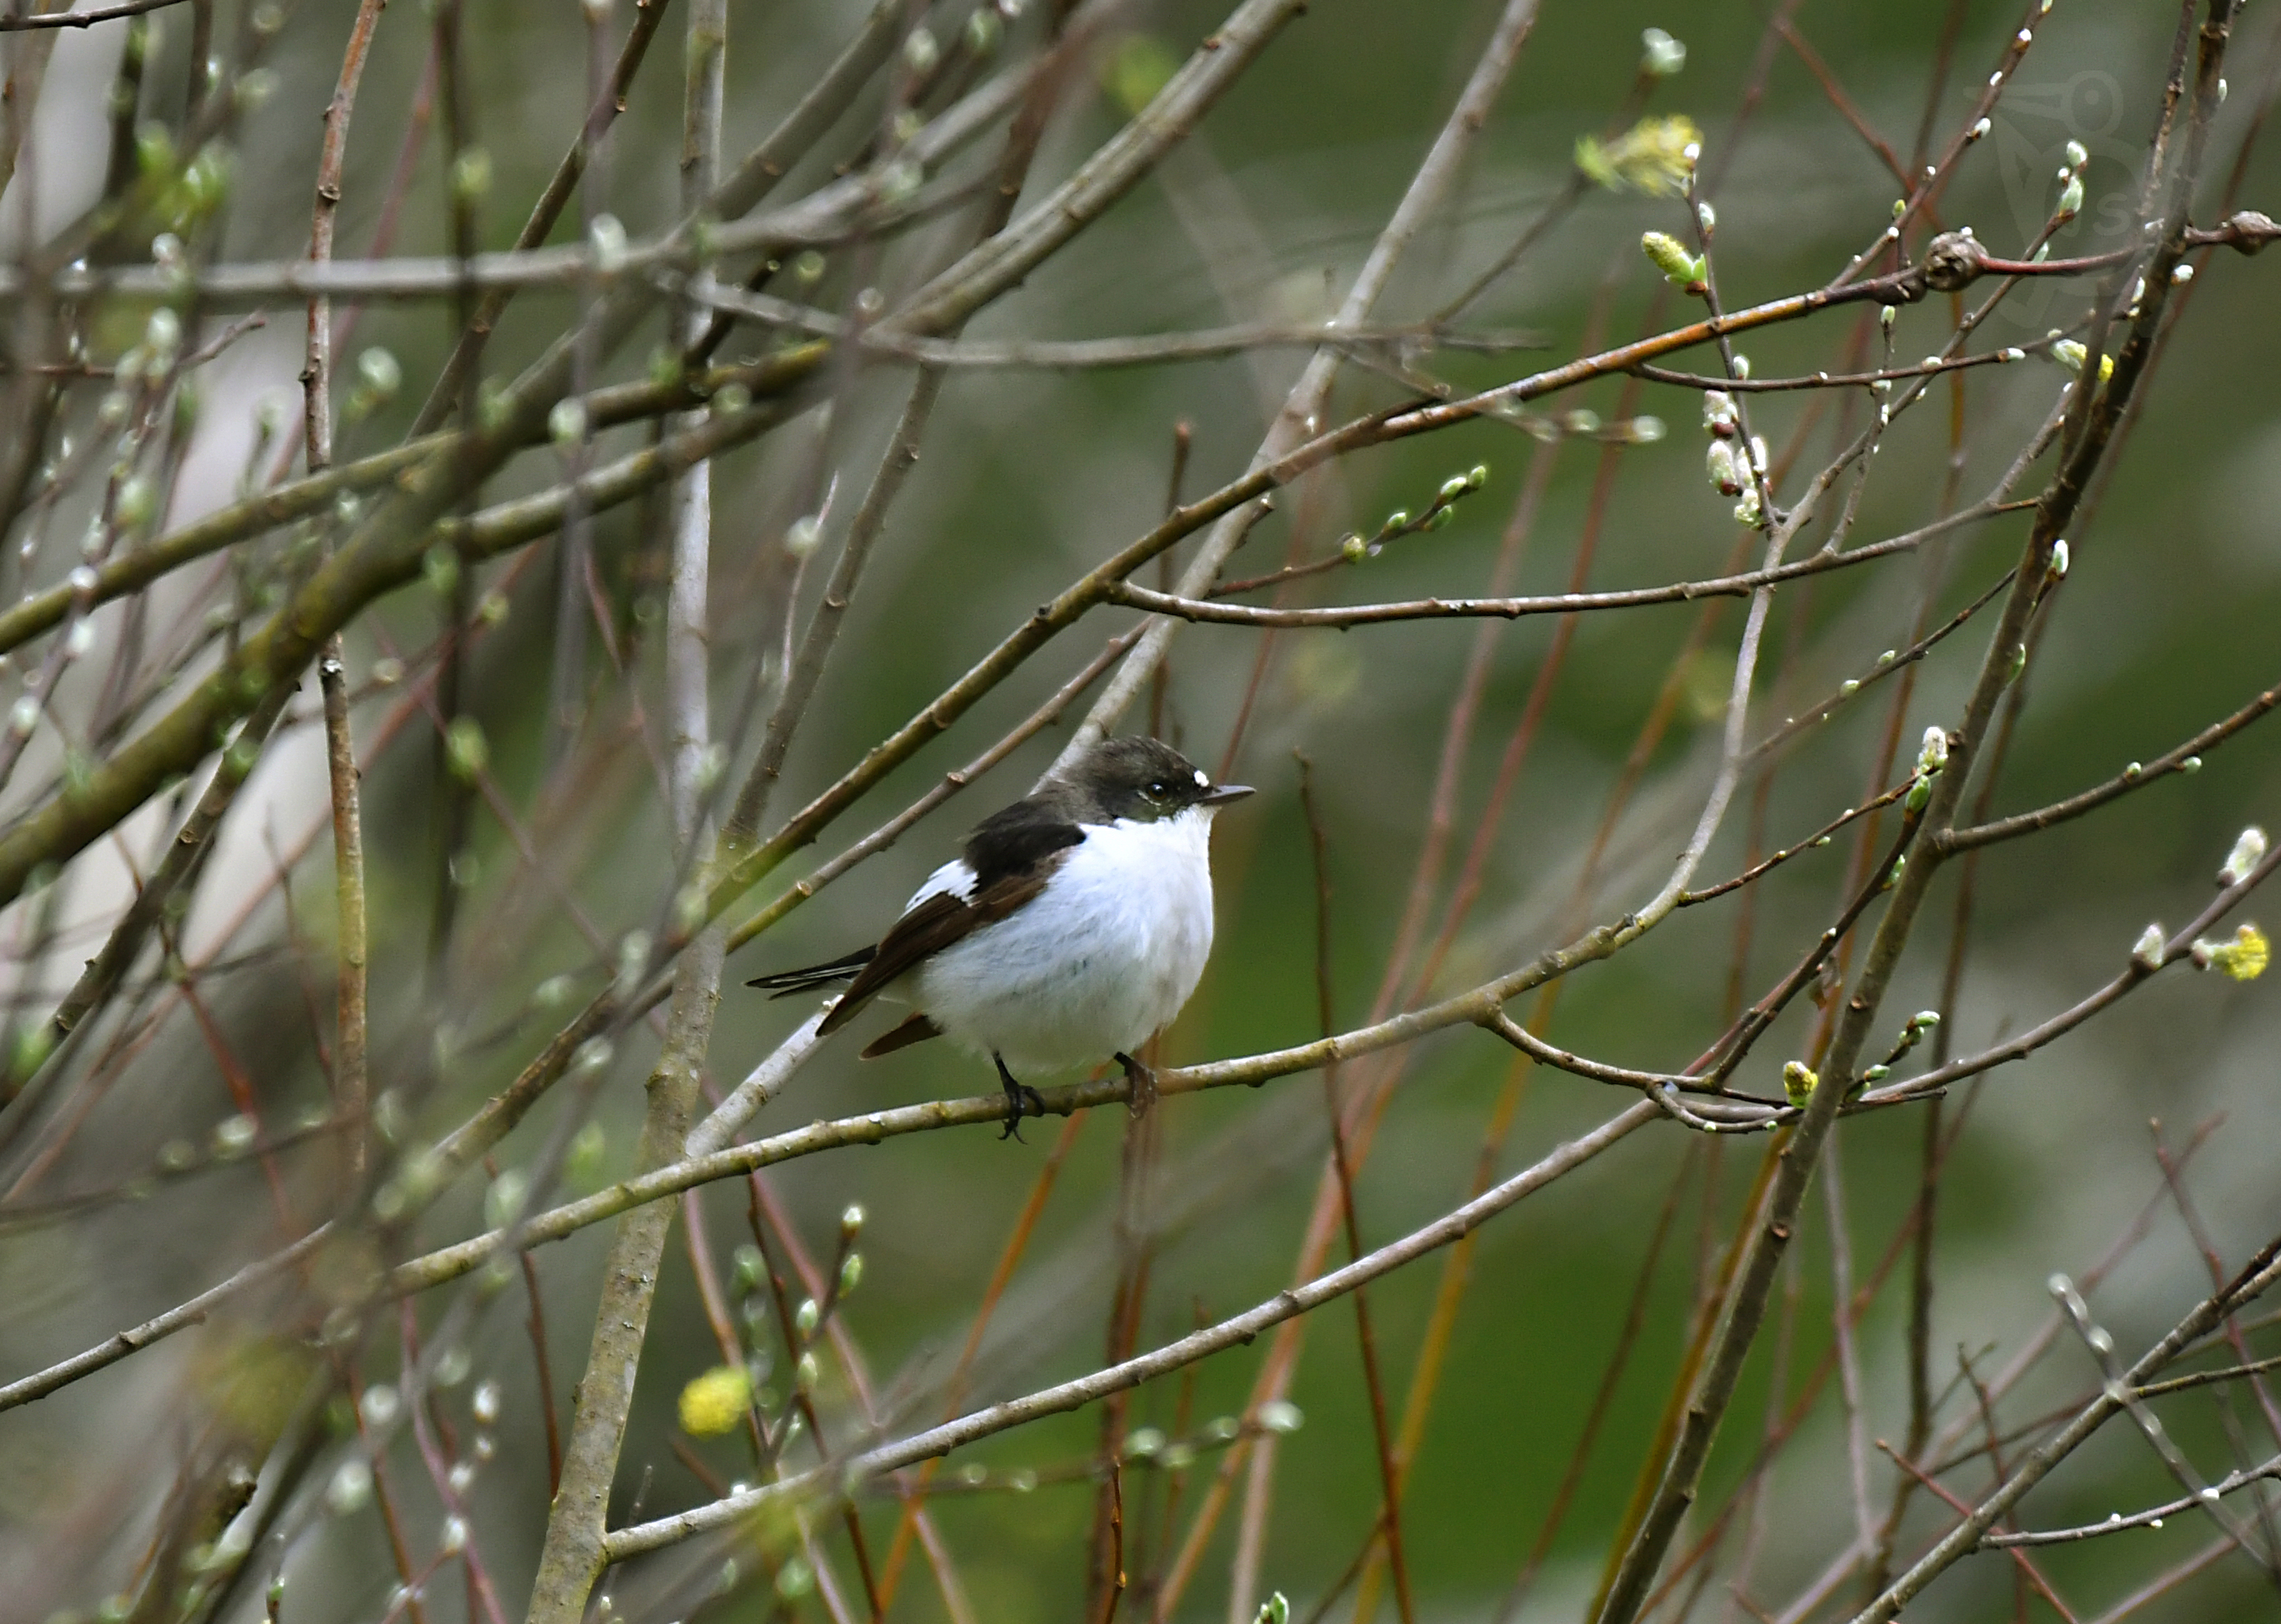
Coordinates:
x,y
1159,789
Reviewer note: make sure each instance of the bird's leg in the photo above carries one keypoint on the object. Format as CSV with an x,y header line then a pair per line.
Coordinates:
x,y
1019,1097
1143,1100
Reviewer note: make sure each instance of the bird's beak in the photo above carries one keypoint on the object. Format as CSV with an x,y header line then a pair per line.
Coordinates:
x,y
1224,793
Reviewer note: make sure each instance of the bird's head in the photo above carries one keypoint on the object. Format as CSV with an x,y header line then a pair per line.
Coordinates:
x,y
1142,780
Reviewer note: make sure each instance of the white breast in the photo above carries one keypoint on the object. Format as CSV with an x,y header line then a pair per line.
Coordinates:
x,y
1096,963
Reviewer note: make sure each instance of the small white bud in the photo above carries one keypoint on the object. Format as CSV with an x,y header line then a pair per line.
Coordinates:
x,y
351,1486
1980,128
380,373
484,1405
1660,55
162,335
1718,412
453,1537
1719,465
1280,1415
1932,755
1707,217
806,1320
606,241
2071,202
2248,852
2058,567
2077,155
2184,274
2147,950
379,1405
566,424
802,534
1888,316
920,51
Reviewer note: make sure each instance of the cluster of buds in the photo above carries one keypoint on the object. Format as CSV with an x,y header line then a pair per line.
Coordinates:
x,y
1923,1022
1402,522
1932,756
1732,465
1584,424
2070,203
2071,354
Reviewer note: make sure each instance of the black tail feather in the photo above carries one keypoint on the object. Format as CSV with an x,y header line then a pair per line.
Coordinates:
x,y
786,983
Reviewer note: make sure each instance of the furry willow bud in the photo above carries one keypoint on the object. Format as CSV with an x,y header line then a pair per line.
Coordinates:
x,y
1280,1415
2147,950
1798,1082
1655,158
715,1401
379,373
2248,851
1660,55
1932,755
1669,255
2244,958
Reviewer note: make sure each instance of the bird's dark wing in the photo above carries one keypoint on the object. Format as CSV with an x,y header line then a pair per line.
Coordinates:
x,y
1012,854
786,983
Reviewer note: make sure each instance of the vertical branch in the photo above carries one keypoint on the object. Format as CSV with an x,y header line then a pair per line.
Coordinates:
x,y
1389,1515
465,176
350,1039
571,1558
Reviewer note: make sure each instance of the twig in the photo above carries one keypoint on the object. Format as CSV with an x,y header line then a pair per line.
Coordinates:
x,y
1071,1394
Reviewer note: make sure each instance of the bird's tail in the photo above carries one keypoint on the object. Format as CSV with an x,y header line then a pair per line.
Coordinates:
x,y
787,983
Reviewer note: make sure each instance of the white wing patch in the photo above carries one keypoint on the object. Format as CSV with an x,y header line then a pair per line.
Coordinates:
x,y
955,877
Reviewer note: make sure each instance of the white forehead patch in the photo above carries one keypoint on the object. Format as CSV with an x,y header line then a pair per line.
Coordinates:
x,y
1200,780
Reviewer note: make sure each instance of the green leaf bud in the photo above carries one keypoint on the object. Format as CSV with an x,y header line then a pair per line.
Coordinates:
x,y
466,749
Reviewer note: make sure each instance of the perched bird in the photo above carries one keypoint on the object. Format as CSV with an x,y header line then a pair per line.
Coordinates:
x,y
1074,926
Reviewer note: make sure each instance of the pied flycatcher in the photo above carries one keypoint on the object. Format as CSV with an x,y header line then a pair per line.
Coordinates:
x,y
1074,926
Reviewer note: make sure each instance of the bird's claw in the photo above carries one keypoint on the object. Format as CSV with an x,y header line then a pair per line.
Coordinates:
x,y
1019,1097
1142,1098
